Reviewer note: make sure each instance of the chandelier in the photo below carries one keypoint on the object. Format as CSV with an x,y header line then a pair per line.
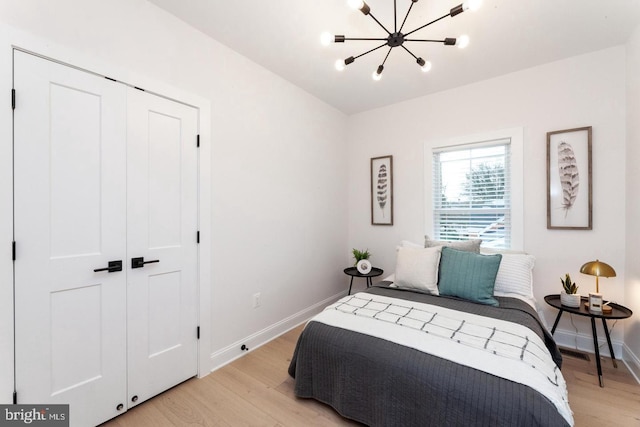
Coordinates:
x,y
397,38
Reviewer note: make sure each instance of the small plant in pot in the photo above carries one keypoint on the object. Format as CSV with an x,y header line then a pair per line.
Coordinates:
x,y
359,255
569,295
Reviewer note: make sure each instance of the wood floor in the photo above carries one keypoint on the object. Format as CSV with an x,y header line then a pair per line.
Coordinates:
x,y
257,391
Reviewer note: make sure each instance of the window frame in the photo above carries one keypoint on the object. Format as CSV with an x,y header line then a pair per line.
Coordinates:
x,y
516,160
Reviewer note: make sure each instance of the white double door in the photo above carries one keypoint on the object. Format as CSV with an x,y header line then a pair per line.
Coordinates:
x,y
103,174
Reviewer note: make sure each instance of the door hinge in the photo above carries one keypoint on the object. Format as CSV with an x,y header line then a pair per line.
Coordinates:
x,y
139,88
13,250
198,237
198,332
198,141
15,397
109,78
13,99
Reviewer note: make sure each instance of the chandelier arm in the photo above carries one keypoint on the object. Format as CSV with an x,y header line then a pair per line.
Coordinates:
x,y
369,51
395,17
406,16
385,58
410,53
426,25
424,40
379,23
365,38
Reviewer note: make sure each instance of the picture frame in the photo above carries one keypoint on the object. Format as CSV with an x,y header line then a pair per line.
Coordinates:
x,y
595,302
569,180
382,190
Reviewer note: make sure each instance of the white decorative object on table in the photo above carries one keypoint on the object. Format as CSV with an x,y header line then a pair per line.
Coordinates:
x,y
569,295
364,266
570,300
595,302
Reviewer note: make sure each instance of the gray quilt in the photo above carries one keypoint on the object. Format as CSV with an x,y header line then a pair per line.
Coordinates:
x,y
380,383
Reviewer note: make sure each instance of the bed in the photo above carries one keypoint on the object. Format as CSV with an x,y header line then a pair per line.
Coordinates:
x,y
404,356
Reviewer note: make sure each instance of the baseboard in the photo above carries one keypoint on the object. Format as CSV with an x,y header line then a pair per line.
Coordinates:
x,y
632,361
584,342
232,352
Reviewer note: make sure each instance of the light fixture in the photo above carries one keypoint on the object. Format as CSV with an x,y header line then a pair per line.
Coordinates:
x,y
397,38
599,269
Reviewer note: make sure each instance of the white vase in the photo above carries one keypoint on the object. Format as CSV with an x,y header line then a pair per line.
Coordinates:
x,y
570,300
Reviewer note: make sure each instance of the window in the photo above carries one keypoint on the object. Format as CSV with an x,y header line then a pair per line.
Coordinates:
x,y
472,192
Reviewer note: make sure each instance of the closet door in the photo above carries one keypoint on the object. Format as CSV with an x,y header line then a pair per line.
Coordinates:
x,y
70,220
162,295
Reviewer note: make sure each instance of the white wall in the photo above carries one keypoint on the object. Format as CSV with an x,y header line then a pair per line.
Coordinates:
x,y
587,90
632,286
279,216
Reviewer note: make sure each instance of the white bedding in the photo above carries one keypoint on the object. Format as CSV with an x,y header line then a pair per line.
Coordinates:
x,y
531,301
501,348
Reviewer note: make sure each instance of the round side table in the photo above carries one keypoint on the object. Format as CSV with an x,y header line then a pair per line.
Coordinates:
x,y
618,312
353,272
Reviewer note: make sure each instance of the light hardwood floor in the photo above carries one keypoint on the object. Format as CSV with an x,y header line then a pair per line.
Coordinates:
x,y
257,391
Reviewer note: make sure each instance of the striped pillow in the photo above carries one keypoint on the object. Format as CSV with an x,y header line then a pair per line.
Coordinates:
x,y
515,275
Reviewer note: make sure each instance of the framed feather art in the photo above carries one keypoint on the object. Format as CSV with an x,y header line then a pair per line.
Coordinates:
x,y
382,190
569,188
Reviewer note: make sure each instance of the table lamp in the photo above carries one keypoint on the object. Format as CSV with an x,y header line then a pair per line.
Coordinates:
x,y
599,269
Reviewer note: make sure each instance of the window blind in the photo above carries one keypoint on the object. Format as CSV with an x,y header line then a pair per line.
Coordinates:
x,y
471,193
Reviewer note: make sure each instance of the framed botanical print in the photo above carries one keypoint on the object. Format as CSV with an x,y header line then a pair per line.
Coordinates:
x,y
569,187
382,190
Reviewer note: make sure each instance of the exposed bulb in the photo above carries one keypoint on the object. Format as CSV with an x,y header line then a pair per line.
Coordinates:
x,y
356,4
472,5
340,65
377,75
463,41
326,38
426,67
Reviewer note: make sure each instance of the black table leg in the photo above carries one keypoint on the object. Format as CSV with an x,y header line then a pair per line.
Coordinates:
x,y
350,284
369,282
556,322
597,350
606,332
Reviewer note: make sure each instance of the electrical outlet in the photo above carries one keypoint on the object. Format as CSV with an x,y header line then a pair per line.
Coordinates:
x,y
256,300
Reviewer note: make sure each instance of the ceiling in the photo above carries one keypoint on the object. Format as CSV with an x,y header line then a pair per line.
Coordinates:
x,y
506,35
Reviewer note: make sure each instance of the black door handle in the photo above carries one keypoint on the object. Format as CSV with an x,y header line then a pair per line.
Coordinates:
x,y
111,267
140,262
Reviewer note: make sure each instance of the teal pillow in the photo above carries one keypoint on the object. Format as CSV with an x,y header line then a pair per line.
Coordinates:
x,y
468,275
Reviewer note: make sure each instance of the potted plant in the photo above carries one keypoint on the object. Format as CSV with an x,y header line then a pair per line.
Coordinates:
x,y
362,261
360,255
569,295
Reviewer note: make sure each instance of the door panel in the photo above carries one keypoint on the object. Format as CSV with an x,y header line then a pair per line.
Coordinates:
x,y
102,173
75,324
70,218
162,223
164,180
75,165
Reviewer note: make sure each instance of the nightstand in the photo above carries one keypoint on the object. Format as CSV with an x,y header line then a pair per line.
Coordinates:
x,y
618,312
353,272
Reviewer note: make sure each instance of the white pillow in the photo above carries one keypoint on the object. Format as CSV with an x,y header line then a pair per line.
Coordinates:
x,y
515,275
461,245
408,244
417,268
